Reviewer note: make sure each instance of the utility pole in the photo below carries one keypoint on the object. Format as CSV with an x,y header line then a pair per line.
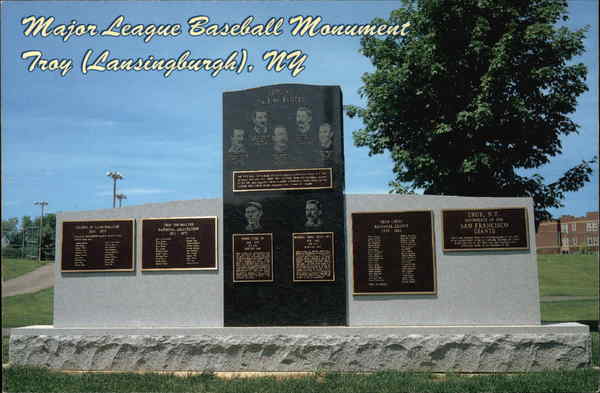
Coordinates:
x,y
42,204
115,176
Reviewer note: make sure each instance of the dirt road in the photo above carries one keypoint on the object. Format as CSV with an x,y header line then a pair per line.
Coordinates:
x,y
34,281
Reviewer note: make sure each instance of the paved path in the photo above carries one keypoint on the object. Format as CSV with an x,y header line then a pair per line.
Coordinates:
x,y
34,281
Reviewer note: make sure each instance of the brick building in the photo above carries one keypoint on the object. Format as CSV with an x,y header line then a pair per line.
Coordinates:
x,y
568,234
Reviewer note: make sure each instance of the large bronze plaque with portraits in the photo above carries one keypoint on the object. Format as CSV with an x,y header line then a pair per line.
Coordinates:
x,y
485,229
313,257
182,243
394,253
97,246
283,174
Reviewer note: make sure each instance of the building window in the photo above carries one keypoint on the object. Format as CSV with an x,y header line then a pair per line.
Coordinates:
x,y
591,227
592,241
565,242
564,228
573,241
574,227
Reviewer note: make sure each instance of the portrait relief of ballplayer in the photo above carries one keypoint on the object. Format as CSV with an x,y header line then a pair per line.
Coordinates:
x,y
325,136
253,213
260,122
237,141
303,120
280,139
313,214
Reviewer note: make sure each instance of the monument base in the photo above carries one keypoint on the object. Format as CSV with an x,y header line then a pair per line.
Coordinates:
x,y
406,348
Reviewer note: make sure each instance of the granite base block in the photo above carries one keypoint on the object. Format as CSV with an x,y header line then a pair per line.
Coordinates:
x,y
317,349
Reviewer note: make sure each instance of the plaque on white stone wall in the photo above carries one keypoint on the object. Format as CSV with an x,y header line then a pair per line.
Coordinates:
x,y
97,246
393,253
490,229
179,243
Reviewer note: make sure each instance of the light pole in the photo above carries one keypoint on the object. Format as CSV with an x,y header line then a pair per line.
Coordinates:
x,y
42,204
115,176
120,197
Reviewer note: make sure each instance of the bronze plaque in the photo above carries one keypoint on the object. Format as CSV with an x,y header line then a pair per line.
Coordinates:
x,y
282,179
97,246
485,229
253,257
182,243
393,253
313,257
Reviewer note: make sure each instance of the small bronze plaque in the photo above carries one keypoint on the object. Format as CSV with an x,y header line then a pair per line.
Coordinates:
x,y
97,246
393,253
485,229
313,256
182,243
282,179
253,257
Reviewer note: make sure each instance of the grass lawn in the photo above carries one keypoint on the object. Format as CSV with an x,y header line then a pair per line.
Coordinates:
x,y
12,268
570,310
28,309
568,275
28,379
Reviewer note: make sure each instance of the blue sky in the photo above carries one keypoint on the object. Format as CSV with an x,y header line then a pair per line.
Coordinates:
x,y
60,135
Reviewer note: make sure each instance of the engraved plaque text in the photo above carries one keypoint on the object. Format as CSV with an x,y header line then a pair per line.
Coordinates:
x,y
485,229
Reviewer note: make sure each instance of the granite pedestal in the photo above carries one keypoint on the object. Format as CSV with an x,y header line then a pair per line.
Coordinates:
x,y
407,348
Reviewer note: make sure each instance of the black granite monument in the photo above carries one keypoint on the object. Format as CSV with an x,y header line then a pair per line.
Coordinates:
x,y
284,220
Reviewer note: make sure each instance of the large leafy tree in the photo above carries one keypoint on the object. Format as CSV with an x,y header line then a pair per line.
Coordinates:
x,y
475,95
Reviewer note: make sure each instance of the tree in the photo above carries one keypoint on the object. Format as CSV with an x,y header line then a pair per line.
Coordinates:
x,y
48,235
26,222
9,229
476,93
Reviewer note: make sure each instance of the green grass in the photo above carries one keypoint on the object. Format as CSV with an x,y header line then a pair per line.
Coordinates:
x,y
29,379
13,268
570,310
568,275
29,309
